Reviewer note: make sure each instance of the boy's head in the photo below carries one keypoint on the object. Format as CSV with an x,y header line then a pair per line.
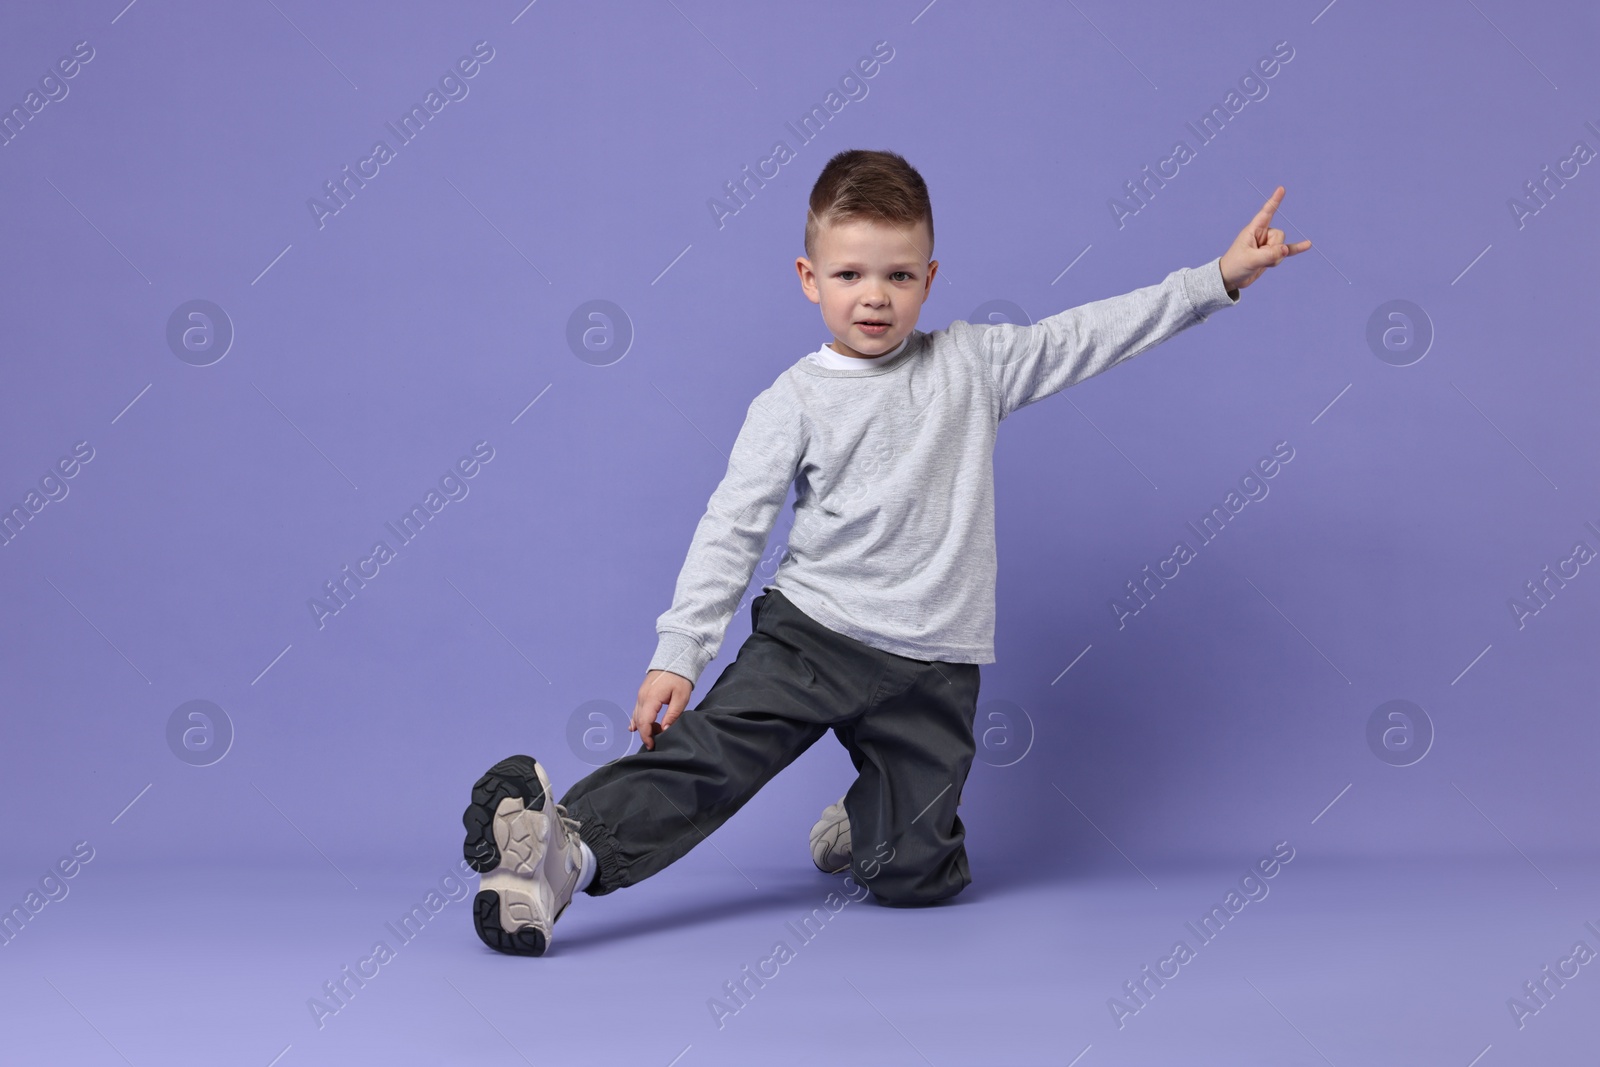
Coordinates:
x,y
869,250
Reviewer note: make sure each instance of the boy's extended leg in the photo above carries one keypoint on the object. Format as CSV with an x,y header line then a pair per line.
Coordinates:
x,y
641,812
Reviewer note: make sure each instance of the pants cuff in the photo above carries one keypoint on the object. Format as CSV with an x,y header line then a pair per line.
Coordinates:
x,y
607,855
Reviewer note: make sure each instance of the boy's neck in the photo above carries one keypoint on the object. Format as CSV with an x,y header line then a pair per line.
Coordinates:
x,y
834,347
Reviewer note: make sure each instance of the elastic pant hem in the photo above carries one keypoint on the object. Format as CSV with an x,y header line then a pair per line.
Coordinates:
x,y
607,854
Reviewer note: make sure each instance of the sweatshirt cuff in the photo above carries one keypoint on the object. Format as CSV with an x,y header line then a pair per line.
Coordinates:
x,y
1206,290
680,654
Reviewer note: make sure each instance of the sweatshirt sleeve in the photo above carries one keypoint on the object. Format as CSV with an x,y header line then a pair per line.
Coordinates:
x,y
1028,363
730,538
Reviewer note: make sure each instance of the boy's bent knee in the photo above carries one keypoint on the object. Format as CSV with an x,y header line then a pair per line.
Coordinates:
x,y
912,893
907,875
914,900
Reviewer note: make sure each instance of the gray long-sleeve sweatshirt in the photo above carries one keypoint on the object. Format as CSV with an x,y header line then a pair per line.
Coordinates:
x,y
893,536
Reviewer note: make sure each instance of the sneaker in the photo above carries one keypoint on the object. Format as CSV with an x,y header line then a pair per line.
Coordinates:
x,y
830,840
527,849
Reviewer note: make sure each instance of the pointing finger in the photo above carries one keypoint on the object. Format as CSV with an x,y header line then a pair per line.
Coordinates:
x,y
1264,216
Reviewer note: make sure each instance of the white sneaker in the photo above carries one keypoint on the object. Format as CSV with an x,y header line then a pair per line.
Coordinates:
x,y
830,840
528,850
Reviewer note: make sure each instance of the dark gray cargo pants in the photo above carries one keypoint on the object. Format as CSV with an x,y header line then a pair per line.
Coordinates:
x,y
907,724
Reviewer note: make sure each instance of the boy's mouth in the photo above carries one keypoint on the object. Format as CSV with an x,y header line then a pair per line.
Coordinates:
x,y
872,326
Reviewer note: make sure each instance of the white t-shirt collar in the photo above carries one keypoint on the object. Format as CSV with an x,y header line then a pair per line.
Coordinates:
x,y
832,360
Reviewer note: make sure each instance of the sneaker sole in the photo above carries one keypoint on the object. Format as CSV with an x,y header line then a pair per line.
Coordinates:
x,y
521,941
500,895
515,776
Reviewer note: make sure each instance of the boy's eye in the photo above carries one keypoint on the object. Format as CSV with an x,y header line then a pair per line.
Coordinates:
x,y
848,274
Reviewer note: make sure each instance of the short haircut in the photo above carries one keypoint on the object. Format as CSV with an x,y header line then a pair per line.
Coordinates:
x,y
864,184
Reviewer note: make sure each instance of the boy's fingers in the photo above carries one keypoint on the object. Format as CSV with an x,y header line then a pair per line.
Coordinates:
x,y
675,704
1273,254
1265,214
642,719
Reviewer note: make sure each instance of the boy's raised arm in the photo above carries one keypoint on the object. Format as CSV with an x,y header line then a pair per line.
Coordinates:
x,y
1029,363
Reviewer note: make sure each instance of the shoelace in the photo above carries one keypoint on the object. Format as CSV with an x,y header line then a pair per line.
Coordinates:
x,y
570,826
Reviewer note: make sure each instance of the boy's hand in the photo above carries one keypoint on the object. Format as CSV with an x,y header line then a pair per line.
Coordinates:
x,y
660,687
1257,247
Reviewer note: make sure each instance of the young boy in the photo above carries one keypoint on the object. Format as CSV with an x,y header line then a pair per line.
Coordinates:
x,y
881,609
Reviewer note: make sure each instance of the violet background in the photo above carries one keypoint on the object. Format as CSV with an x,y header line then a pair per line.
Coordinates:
x,y
372,353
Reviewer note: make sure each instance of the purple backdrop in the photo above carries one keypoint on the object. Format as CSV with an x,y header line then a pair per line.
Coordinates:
x,y
228,375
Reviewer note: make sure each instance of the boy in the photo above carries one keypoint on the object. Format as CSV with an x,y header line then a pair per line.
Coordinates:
x,y
881,609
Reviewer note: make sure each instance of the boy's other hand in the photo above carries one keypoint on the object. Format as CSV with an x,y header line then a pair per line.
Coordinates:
x,y
1257,247
660,687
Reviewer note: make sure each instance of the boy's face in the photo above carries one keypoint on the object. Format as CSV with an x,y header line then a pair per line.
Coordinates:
x,y
869,272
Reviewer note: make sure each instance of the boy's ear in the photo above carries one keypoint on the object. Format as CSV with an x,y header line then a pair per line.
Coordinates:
x,y
808,283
